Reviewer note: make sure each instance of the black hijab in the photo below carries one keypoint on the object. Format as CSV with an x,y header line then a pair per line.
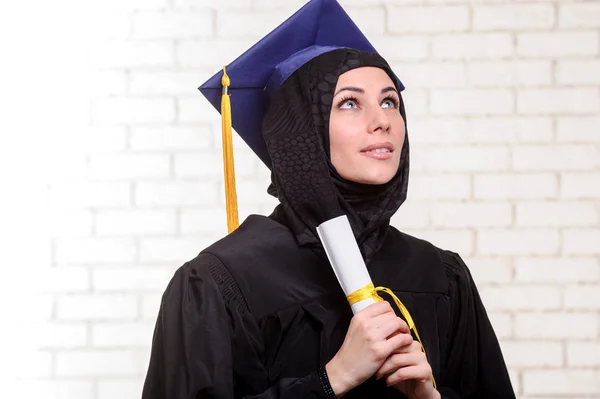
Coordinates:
x,y
310,191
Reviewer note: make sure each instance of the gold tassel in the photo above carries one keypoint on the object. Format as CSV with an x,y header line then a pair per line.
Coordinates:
x,y
228,166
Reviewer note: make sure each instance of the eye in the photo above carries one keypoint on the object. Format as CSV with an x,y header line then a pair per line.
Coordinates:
x,y
348,103
390,102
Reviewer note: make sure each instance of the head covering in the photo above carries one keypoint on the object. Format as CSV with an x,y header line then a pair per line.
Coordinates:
x,y
296,133
318,27
300,62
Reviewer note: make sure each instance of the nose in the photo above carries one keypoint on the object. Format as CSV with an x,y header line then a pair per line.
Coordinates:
x,y
379,122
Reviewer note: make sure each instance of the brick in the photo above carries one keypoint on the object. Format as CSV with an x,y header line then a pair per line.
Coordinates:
x,y
518,242
471,214
291,5
402,48
89,194
53,389
584,354
578,72
249,192
122,335
582,15
97,307
428,19
532,354
578,129
490,270
91,363
193,53
204,221
437,130
424,74
172,24
562,381
196,109
416,102
104,139
167,138
581,242
108,83
440,187
557,44
509,73
472,102
568,157
125,5
94,250
147,278
176,193
206,164
63,279
580,185
133,110
52,335
119,388
136,222
502,324
71,222
133,54
28,364
511,129
234,24
371,21
582,297
223,4
556,325
150,306
556,214
558,101
551,270
411,215
129,166
472,46
38,307
529,297
461,159
174,250
460,241
164,82
513,17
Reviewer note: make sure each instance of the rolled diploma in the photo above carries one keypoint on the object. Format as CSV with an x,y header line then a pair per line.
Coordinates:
x,y
345,257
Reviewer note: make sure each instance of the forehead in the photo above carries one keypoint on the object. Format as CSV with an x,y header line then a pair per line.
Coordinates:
x,y
365,76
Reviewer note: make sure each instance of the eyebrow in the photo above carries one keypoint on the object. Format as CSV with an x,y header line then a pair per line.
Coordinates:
x,y
359,90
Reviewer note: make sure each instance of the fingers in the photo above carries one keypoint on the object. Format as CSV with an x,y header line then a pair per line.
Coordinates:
x,y
375,309
398,360
388,325
420,372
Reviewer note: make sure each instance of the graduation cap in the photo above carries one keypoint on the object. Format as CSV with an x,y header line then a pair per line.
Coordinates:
x,y
242,89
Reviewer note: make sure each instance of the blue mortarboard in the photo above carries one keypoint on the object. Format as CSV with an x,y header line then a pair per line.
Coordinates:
x,y
318,27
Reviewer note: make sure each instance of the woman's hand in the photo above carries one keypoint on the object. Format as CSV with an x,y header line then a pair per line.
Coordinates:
x,y
374,334
408,371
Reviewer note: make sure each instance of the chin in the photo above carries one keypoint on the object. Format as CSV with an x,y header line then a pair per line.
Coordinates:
x,y
375,177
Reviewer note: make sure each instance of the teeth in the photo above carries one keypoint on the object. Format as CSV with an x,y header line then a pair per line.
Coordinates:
x,y
380,150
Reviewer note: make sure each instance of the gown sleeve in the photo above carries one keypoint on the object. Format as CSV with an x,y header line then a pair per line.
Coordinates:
x,y
475,367
203,346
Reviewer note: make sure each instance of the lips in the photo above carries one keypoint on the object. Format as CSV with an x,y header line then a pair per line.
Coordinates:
x,y
380,147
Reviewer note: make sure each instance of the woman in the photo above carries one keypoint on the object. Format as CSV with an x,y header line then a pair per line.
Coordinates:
x,y
260,313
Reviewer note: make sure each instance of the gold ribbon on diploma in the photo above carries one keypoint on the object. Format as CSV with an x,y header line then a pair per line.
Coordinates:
x,y
370,291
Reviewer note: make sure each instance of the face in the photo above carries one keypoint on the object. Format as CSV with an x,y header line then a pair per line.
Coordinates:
x,y
366,130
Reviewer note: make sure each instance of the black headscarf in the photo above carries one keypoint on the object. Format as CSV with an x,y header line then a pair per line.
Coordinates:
x,y
310,190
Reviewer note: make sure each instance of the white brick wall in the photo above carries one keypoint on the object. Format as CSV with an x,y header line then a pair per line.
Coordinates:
x,y
503,101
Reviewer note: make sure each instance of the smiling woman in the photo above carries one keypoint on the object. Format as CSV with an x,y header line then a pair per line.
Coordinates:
x,y
366,131
260,312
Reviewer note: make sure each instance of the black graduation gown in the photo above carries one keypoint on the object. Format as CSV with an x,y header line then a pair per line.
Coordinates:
x,y
254,316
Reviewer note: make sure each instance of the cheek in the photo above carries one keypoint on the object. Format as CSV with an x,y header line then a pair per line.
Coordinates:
x,y
342,139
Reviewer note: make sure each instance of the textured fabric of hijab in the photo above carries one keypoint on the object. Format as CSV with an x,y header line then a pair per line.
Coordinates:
x,y
296,133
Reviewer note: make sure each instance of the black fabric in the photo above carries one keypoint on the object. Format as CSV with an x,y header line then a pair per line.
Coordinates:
x,y
296,132
294,318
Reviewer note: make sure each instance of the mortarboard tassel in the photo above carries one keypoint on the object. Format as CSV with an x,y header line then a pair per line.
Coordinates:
x,y
228,166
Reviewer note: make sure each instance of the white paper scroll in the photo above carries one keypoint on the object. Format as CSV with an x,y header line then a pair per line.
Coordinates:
x,y
345,257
